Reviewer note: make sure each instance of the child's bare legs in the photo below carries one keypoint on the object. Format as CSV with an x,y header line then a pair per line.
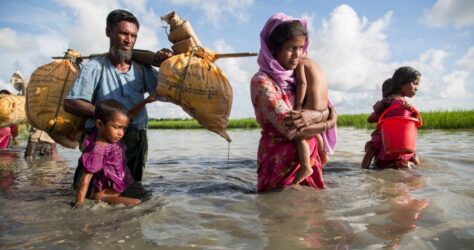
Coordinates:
x,y
311,93
321,151
302,148
370,152
316,96
415,159
113,197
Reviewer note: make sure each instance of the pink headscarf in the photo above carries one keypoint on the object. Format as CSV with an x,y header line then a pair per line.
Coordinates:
x,y
268,64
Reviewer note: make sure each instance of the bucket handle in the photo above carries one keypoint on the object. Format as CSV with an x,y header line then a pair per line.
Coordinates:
x,y
397,106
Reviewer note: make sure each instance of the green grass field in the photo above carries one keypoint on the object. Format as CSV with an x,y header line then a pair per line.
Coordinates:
x,y
193,124
460,119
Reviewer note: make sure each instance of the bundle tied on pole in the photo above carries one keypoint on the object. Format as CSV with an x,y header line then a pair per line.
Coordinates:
x,y
181,33
12,110
191,80
45,95
12,107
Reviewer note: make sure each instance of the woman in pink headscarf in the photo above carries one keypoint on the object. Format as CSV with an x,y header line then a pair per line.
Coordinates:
x,y
284,41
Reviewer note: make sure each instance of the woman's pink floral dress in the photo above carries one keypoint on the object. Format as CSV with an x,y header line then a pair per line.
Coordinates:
x,y
277,158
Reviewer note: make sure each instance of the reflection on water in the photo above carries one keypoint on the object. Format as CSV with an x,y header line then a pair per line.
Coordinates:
x,y
200,195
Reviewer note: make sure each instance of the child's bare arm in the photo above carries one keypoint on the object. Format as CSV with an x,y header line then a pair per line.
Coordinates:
x,y
301,85
379,107
372,118
82,189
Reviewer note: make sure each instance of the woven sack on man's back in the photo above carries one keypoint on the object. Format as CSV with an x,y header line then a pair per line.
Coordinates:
x,y
44,102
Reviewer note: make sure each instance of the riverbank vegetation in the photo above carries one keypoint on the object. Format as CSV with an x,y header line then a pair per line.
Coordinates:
x,y
459,119
244,123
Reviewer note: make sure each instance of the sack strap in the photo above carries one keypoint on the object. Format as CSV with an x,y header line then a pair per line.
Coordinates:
x,y
183,76
76,64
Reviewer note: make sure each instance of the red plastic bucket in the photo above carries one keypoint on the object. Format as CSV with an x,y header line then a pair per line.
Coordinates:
x,y
398,132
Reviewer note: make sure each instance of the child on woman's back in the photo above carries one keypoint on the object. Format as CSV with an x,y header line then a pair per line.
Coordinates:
x,y
104,161
311,93
404,83
372,147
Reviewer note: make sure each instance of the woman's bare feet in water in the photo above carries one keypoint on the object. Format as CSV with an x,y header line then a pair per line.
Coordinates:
x,y
303,172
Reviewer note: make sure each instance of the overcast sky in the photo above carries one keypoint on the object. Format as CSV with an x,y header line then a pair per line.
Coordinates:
x,y
358,43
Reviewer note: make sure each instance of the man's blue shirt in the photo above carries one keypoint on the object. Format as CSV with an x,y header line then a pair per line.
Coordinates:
x,y
127,88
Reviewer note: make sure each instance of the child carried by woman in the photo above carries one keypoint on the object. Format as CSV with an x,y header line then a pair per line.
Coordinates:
x,y
311,93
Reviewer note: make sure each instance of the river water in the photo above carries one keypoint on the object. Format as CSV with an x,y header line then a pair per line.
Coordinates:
x,y
199,193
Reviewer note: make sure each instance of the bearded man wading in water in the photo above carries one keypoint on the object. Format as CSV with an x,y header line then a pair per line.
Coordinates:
x,y
115,76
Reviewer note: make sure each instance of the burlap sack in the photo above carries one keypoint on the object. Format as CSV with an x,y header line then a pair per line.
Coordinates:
x,y
184,46
12,110
44,101
193,82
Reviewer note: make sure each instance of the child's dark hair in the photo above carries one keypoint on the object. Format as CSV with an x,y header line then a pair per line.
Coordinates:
x,y
117,16
387,87
106,109
402,76
5,92
284,32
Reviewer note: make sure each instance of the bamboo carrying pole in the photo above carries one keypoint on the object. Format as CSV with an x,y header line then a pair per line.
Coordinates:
x,y
81,57
229,55
148,57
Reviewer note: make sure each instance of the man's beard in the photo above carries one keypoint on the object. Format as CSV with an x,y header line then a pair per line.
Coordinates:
x,y
121,55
